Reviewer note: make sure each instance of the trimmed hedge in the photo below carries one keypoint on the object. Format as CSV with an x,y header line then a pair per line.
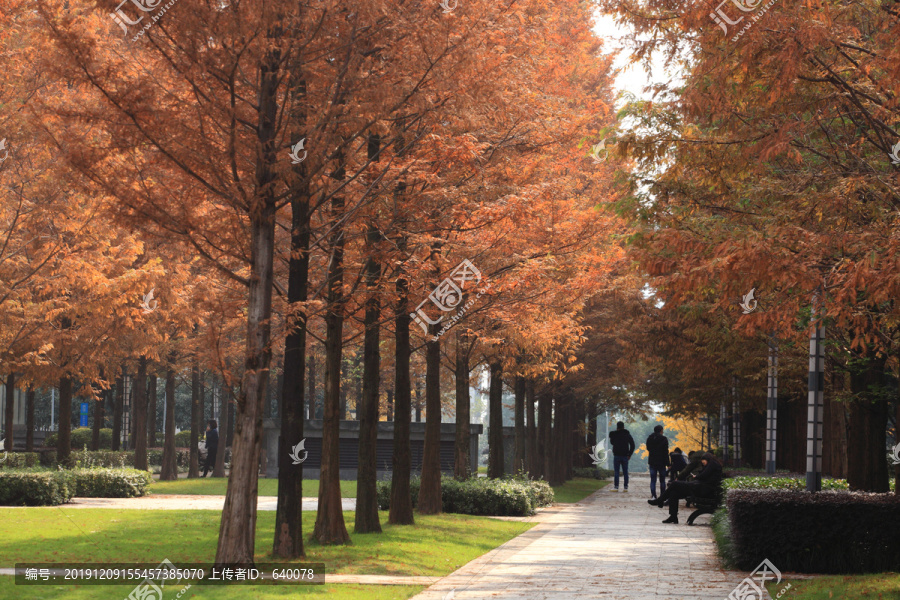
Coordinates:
x,y
111,483
780,483
481,496
91,459
824,532
81,437
182,457
19,460
593,472
36,488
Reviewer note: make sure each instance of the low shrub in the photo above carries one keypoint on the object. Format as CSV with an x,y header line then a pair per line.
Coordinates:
x,y
182,457
182,439
824,532
19,460
81,437
593,472
36,487
383,492
779,483
89,459
481,496
111,483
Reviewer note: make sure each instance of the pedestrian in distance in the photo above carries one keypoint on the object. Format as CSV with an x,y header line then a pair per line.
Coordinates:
x,y
212,446
658,461
622,447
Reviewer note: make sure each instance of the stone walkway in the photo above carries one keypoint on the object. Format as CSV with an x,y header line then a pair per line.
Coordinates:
x,y
186,502
609,546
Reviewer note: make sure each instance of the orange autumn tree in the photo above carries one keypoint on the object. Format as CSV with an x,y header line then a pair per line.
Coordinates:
x,y
778,177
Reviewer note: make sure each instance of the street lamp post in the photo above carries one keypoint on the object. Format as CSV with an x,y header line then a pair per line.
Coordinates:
x,y
772,408
816,396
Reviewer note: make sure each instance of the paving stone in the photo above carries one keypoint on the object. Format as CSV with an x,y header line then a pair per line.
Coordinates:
x,y
612,546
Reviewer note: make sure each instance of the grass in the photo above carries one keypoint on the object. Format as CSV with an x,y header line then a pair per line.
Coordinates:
x,y
435,546
215,486
577,489
10,591
881,586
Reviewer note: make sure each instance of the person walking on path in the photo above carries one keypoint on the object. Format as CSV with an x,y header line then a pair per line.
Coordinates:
x,y
623,448
658,461
212,446
705,485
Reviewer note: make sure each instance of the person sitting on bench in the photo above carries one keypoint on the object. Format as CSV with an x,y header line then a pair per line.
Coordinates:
x,y
705,485
677,463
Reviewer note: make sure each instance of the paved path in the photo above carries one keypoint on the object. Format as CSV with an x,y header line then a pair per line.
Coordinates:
x,y
188,502
609,546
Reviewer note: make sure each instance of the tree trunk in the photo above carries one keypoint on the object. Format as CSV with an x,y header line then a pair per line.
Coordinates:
x,y
201,421
224,412
463,459
545,416
99,417
430,488
29,420
169,471
196,419
288,542
557,473
495,432
530,429
519,456
118,410
418,400
9,411
401,512
389,405
152,397
897,441
311,386
868,425
139,404
345,385
237,532
367,410
330,527
64,422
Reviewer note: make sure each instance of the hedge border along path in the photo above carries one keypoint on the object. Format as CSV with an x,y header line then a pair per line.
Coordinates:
x,y
51,488
823,532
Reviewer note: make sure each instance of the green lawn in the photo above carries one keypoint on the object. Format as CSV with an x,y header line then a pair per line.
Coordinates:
x,y
435,546
577,489
881,586
10,591
215,486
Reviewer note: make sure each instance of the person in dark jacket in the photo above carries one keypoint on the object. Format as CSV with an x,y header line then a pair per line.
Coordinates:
x,y
677,462
622,447
694,464
704,485
658,461
212,446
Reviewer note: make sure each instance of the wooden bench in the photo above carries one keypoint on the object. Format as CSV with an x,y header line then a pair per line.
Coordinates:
x,y
704,505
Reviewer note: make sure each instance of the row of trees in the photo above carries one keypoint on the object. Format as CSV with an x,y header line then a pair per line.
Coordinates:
x,y
771,164
440,172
